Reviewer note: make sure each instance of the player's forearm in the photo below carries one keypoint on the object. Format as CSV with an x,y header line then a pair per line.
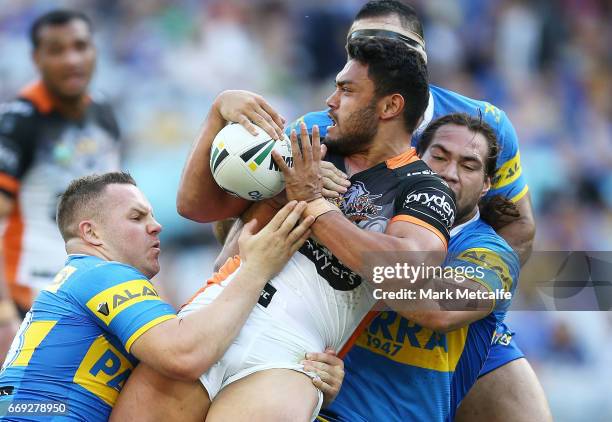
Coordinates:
x,y
230,247
199,198
519,236
520,232
445,304
335,232
434,297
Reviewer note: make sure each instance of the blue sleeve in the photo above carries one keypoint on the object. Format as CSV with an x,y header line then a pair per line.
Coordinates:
x,y
493,268
320,118
121,300
509,180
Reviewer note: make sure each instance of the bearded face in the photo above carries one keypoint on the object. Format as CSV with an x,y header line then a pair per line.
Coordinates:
x,y
353,109
353,131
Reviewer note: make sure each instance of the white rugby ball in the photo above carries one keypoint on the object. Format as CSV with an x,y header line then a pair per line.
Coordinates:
x,y
242,164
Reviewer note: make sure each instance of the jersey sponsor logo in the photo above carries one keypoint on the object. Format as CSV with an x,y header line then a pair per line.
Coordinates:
x,y
358,203
16,107
508,172
408,343
107,304
422,172
487,259
329,267
103,370
265,297
119,299
103,309
437,203
74,147
490,108
503,339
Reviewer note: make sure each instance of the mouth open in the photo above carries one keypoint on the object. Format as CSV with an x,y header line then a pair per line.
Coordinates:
x,y
333,119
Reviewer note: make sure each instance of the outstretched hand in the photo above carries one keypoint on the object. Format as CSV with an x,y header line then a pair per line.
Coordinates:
x,y
303,181
269,250
250,109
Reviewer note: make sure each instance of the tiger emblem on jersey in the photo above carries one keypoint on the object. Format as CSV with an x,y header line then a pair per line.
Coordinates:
x,y
358,203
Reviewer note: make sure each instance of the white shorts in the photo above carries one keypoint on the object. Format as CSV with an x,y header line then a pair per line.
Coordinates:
x,y
302,314
263,343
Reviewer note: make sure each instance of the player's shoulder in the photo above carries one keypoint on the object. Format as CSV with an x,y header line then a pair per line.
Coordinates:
x,y
447,101
415,168
480,236
418,174
100,101
89,273
103,112
19,107
16,116
117,270
480,233
423,191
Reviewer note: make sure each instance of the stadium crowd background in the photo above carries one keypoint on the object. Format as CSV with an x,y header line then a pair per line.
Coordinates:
x,y
548,64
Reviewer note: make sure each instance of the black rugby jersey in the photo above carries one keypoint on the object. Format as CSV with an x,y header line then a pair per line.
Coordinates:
x,y
41,151
403,188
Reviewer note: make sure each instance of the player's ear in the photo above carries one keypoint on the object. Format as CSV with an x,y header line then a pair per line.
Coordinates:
x,y
89,232
486,186
391,106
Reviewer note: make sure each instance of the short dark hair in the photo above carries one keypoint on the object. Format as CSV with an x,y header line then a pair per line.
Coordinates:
x,y
55,18
394,68
82,193
474,125
406,13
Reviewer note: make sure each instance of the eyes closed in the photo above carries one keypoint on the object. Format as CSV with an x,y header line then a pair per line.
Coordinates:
x,y
470,164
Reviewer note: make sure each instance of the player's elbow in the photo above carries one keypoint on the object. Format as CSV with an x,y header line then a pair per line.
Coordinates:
x,y
530,230
187,366
213,208
182,371
428,251
188,209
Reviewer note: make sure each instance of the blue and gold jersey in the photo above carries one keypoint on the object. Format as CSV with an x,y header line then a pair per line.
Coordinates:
x,y
73,347
508,182
398,370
